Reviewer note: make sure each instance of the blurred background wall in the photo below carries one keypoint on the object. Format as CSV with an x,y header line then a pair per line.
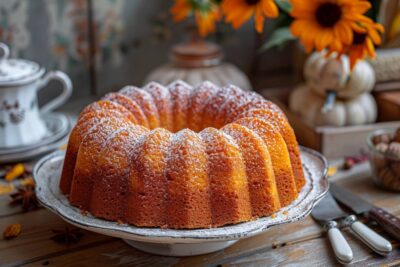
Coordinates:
x,y
106,44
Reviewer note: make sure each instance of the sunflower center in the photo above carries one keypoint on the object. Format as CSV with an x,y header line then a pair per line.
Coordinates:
x,y
328,14
358,38
252,2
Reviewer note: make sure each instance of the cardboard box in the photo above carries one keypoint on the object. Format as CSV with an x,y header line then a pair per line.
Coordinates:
x,y
388,105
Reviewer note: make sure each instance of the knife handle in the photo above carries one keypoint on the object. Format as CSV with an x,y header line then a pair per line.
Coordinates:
x,y
373,240
341,248
389,222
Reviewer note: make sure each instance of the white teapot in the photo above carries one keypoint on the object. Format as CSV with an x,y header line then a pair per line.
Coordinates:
x,y
20,80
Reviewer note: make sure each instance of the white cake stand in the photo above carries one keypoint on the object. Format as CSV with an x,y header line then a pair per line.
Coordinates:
x,y
171,242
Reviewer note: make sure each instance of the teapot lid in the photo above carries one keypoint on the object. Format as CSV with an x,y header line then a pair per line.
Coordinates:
x,y
14,72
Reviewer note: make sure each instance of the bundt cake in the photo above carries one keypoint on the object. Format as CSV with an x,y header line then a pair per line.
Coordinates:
x,y
182,157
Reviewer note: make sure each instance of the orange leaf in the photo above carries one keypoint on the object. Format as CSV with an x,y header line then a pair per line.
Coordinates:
x,y
12,231
27,181
6,188
15,172
63,147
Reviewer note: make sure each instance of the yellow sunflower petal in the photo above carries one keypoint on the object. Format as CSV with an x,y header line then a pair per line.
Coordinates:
x,y
243,18
325,38
308,38
297,27
259,20
269,8
379,27
358,28
180,10
370,48
361,6
343,31
336,46
375,37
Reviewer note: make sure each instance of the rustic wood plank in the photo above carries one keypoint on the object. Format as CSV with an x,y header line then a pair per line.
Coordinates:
x,y
275,237
316,252
6,209
34,240
364,187
113,253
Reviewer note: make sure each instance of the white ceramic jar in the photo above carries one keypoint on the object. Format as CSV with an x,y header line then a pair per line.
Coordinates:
x,y
20,117
197,61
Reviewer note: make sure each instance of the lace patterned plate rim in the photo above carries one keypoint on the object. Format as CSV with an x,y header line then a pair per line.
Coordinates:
x,y
47,174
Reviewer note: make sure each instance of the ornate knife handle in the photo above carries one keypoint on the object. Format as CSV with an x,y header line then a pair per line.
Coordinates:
x,y
389,222
373,240
341,248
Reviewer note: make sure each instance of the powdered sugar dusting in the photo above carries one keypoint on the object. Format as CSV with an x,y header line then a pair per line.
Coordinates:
x,y
180,97
145,101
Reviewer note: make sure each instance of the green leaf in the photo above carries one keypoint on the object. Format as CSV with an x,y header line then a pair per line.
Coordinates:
x,y
373,12
284,5
277,38
283,20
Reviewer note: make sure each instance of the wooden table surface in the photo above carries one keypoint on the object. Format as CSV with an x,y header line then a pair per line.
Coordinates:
x,y
298,244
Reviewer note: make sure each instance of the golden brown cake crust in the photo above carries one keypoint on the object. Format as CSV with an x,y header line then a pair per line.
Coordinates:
x,y
259,171
230,200
147,180
285,180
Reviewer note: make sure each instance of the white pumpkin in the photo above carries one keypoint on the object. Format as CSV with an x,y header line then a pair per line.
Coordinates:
x,y
331,73
357,111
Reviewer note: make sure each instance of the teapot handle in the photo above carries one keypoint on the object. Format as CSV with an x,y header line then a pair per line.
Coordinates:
x,y
65,94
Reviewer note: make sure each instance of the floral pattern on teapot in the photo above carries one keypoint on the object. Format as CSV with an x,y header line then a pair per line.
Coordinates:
x,y
15,112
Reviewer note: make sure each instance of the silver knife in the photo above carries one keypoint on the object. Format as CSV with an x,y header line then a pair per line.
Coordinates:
x,y
389,222
325,213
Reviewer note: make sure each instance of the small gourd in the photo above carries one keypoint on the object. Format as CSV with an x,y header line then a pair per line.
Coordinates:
x,y
357,111
330,73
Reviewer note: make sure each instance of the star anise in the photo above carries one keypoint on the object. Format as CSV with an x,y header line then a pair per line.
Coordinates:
x,y
26,197
67,235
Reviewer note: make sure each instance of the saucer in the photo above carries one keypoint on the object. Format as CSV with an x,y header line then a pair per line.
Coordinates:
x,y
57,124
59,127
172,242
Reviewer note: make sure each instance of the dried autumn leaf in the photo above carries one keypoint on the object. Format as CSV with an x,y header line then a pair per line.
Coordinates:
x,y
16,171
28,181
67,235
12,231
6,188
26,197
63,146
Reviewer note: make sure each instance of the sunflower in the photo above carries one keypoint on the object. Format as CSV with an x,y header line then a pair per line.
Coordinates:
x,y
237,12
206,13
363,44
321,24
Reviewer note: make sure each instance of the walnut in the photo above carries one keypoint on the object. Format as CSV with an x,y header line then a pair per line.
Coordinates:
x,y
382,138
393,150
382,147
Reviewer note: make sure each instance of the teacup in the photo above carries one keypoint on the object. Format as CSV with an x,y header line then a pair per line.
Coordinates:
x,y
20,117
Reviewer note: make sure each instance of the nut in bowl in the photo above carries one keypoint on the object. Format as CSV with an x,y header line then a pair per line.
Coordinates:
x,y
384,157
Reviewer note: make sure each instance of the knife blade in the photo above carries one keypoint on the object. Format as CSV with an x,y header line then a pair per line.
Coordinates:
x,y
324,213
389,222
